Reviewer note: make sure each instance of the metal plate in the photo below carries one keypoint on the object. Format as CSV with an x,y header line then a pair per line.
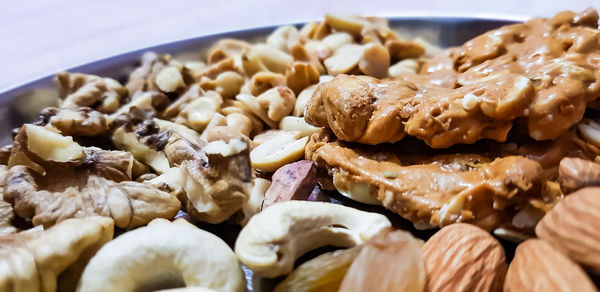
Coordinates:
x,y
22,103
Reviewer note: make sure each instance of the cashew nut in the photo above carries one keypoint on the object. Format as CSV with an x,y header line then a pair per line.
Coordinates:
x,y
273,134
273,239
163,255
277,152
298,124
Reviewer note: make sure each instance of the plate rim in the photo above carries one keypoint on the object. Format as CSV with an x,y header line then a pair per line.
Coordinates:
x,y
407,16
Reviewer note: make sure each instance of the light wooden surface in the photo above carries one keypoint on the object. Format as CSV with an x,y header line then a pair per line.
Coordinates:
x,y
40,37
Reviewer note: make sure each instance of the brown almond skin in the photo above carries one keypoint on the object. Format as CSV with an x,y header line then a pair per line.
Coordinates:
x,y
390,262
537,266
573,227
576,173
294,181
463,257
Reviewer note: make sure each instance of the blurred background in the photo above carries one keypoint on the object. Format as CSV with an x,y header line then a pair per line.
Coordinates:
x,y
41,37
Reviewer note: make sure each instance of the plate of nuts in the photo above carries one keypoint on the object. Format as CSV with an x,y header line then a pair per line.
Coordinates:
x,y
348,154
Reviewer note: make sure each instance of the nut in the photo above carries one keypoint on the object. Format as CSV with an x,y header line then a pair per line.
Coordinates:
x,y
274,238
298,124
354,190
240,122
251,104
52,259
301,75
227,84
77,90
294,181
572,227
400,49
303,100
277,152
284,38
128,141
407,66
270,58
390,261
199,112
344,60
323,273
50,145
263,81
463,257
374,61
537,266
169,79
218,186
279,101
337,40
160,255
255,201
145,100
348,23
576,173
226,48
82,121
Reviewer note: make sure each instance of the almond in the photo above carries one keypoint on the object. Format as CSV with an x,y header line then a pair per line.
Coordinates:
x,y
463,257
573,227
390,261
537,266
576,173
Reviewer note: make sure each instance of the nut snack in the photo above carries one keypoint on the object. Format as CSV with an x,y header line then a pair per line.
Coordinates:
x,y
336,156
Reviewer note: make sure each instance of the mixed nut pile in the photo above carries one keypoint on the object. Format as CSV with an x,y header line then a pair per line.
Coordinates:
x,y
106,191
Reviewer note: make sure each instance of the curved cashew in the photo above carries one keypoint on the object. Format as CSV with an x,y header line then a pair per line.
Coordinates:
x,y
162,255
273,239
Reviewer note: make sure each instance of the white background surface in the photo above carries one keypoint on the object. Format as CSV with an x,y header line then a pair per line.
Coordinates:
x,y
40,37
